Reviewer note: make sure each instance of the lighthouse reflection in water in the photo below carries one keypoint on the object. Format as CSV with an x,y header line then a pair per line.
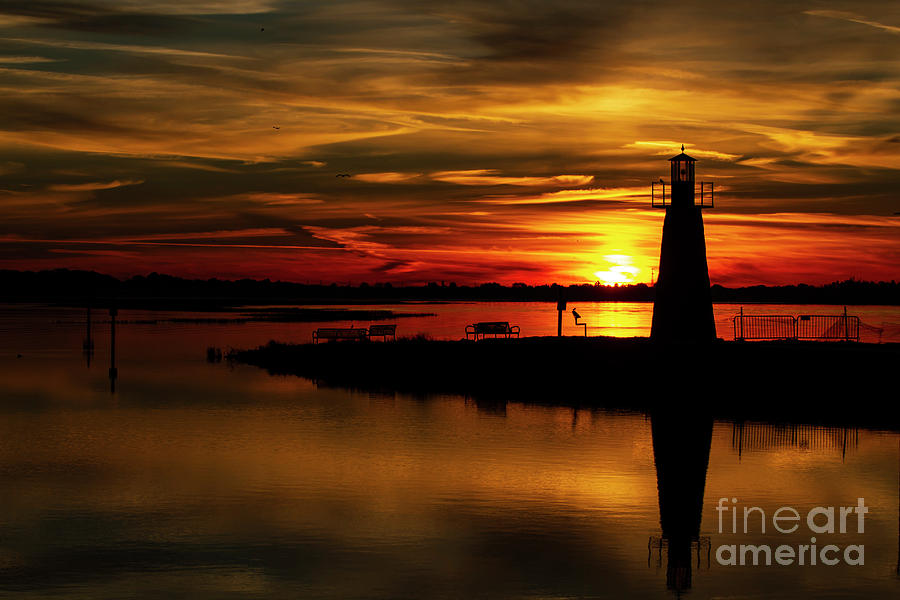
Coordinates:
x,y
681,445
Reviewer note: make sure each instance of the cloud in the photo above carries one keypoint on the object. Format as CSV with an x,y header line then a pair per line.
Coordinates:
x,y
24,59
492,177
11,166
853,18
71,13
106,47
93,186
12,20
215,235
275,199
581,195
381,53
387,177
666,147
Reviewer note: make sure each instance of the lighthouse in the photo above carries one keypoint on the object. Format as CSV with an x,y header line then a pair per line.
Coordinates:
x,y
682,309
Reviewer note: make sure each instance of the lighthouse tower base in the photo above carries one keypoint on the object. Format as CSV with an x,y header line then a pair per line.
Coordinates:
x,y
682,310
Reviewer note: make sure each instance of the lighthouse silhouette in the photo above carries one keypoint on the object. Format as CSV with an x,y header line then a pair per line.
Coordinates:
x,y
682,310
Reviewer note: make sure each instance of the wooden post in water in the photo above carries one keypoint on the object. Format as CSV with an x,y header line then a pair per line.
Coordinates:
x,y
113,371
560,307
88,342
88,345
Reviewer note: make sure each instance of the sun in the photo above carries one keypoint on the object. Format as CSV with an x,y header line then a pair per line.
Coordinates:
x,y
619,270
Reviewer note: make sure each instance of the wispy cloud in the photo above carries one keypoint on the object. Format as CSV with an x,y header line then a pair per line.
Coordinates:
x,y
580,195
25,60
661,148
853,18
387,177
493,177
107,47
93,185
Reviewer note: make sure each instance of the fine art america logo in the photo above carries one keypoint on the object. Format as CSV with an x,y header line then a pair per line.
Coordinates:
x,y
787,520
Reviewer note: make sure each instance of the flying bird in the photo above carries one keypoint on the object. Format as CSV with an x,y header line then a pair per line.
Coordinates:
x,y
343,175
276,126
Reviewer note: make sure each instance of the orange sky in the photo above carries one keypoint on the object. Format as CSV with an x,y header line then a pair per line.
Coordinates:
x,y
505,141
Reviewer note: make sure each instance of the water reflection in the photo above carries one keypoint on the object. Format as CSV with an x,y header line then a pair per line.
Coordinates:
x,y
761,437
488,405
87,345
681,445
203,481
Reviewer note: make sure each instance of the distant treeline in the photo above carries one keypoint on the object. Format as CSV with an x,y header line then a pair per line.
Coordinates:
x,y
65,286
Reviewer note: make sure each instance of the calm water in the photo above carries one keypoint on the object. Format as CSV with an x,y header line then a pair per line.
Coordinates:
x,y
204,481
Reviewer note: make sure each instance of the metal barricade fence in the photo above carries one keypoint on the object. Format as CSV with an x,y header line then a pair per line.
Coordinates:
x,y
828,327
804,327
764,327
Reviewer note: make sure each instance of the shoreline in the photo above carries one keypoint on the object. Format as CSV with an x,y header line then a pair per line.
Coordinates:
x,y
812,382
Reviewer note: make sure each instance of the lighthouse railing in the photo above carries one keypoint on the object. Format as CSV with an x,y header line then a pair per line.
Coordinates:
x,y
659,198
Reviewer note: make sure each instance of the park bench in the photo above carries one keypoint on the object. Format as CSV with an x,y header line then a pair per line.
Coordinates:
x,y
492,328
334,333
383,331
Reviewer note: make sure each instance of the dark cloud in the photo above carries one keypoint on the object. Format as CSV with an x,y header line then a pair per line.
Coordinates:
x,y
55,11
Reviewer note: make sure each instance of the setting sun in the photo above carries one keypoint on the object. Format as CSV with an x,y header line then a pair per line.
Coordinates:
x,y
619,270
